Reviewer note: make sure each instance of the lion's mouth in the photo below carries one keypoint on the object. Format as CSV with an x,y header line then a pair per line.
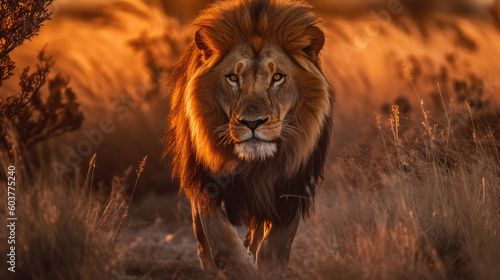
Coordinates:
x,y
255,139
255,148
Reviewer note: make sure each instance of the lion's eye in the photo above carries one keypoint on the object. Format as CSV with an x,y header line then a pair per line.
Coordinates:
x,y
277,77
233,78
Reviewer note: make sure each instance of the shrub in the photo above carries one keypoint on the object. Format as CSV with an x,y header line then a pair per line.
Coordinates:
x,y
20,20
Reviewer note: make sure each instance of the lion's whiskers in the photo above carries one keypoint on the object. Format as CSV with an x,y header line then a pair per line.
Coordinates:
x,y
225,135
288,132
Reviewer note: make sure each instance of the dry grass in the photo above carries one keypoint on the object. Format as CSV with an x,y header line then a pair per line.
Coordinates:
x,y
423,205
64,230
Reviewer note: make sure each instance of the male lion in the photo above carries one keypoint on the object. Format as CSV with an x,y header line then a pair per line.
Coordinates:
x,y
249,125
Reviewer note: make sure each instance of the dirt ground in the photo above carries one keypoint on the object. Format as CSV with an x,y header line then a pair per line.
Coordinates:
x,y
158,243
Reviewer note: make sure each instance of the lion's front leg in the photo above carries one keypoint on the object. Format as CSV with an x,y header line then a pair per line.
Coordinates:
x,y
204,255
274,250
253,238
226,248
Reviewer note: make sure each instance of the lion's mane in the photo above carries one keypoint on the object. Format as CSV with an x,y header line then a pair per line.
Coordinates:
x,y
253,192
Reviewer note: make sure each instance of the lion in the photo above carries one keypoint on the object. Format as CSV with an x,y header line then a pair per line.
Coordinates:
x,y
248,130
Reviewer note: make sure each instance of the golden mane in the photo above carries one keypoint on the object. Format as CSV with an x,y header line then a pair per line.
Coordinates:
x,y
209,172
291,24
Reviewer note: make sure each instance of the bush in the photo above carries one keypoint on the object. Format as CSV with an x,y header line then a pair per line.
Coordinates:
x,y
31,117
20,20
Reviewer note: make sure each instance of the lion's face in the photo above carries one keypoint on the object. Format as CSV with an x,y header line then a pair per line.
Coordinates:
x,y
257,92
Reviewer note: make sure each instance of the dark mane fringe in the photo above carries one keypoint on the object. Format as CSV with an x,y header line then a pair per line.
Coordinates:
x,y
255,192
177,139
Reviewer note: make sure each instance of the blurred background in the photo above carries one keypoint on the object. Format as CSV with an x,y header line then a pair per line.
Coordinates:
x,y
118,55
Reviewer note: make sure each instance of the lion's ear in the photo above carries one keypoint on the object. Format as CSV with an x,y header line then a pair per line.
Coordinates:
x,y
317,41
202,45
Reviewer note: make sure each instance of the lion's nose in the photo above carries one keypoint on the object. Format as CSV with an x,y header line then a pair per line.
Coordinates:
x,y
253,124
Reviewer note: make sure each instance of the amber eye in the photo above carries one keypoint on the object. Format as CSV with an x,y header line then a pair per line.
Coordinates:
x,y
277,77
233,78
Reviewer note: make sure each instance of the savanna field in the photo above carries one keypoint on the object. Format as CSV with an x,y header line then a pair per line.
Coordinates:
x,y
412,183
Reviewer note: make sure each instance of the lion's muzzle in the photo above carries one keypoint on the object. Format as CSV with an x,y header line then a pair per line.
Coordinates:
x,y
253,124
254,131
